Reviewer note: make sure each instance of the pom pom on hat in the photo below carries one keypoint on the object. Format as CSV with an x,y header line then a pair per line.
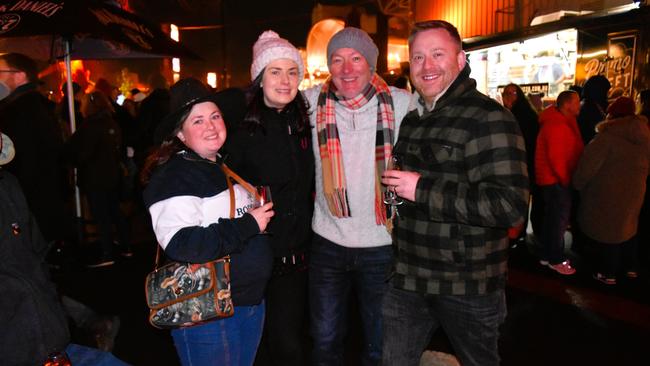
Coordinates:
x,y
270,47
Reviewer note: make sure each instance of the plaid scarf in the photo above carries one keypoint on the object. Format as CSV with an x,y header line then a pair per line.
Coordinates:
x,y
330,146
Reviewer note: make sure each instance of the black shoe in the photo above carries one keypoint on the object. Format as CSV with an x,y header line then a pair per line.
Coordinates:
x,y
101,261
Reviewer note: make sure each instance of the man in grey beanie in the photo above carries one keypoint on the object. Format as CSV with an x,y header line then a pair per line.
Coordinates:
x,y
357,118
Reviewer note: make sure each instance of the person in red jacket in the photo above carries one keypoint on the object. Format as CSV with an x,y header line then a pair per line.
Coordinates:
x,y
559,146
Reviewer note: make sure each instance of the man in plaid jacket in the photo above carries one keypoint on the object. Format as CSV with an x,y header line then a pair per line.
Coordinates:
x,y
464,182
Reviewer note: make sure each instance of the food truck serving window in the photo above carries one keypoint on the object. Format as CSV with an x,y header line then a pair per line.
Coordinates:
x,y
549,59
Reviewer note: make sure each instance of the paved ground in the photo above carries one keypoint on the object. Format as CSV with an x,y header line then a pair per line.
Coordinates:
x,y
552,320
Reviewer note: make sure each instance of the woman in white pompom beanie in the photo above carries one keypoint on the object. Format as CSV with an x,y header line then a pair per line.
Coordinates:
x,y
270,47
272,146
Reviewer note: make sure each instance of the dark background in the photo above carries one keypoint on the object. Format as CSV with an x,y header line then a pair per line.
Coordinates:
x,y
230,29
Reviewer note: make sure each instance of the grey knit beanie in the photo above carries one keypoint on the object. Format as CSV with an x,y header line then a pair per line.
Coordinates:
x,y
357,39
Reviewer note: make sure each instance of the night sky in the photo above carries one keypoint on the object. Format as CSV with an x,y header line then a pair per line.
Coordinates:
x,y
239,22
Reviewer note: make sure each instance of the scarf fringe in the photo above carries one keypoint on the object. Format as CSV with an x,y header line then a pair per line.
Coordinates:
x,y
338,203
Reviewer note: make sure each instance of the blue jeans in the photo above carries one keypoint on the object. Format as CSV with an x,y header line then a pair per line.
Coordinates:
x,y
85,356
470,322
557,203
334,271
230,341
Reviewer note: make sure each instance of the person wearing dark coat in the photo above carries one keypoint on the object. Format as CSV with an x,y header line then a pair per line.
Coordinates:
x,y
26,117
95,150
643,108
272,146
593,106
611,177
34,323
516,101
64,110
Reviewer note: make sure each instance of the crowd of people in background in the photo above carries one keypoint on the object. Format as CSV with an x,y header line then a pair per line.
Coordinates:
x,y
435,255
589,176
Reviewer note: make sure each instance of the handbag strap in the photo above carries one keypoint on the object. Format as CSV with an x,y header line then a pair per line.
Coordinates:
x,y
231,190
230,174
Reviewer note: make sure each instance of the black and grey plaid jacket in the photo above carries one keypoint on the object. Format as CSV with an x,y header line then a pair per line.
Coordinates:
x,y
469,151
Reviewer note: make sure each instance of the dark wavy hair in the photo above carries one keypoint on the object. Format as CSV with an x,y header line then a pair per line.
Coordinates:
x,y
298,108
522,101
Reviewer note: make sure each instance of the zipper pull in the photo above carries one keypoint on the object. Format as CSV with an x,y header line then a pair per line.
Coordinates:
x,y
15,229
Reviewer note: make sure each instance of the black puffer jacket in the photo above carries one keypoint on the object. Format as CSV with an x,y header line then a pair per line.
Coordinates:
x,y
28,120
33,322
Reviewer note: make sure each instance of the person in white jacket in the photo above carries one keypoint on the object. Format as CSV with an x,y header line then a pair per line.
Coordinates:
x,y
356,118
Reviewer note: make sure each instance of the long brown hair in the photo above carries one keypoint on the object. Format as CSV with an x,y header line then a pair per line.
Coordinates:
x,y
299,107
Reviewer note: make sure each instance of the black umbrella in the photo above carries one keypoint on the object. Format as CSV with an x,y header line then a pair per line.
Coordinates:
x,y
97,29
80,29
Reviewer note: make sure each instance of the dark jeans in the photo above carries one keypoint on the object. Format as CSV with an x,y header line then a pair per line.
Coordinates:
x,y
286,309
470,322
333,273
557,206
612,258
105,209
578,238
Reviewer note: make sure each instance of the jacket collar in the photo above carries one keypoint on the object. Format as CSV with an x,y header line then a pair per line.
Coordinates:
x,y
190,155
462,84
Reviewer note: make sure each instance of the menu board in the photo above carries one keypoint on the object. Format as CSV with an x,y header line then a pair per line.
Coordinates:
x,y
620,64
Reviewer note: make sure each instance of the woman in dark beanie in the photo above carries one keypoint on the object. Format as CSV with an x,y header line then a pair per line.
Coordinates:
x,y
611,178
189,202
272,147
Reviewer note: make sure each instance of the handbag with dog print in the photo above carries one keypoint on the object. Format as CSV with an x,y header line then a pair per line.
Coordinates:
x,y
186,294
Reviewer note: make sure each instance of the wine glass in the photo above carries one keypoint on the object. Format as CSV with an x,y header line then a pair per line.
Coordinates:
x,y
390,197
262,196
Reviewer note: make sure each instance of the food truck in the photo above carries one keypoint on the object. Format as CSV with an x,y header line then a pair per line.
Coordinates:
x,y
550,57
